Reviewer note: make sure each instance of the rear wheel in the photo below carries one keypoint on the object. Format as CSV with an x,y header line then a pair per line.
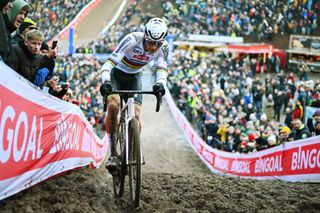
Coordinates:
x,y
120,173
134,162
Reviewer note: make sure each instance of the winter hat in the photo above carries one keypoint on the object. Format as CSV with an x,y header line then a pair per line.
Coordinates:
x,y
285,129
251,136
244,144
26,23
317,113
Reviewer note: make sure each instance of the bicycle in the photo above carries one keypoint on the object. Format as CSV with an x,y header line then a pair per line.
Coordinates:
x,y
128,149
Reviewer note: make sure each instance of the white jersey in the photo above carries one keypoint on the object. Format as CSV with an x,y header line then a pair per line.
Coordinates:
x,y
130,56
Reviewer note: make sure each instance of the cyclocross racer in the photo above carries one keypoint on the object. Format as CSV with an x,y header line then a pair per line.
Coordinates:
x,y
122,71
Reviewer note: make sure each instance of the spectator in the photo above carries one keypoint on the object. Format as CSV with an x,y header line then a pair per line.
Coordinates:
x,y
313,121
25,58
5,6
16,15
300,131
57,90
297,113
284,133
269,107
24,27
316,129
272,141
288,118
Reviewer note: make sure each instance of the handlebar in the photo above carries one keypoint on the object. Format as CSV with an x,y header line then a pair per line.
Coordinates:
x,y
131,93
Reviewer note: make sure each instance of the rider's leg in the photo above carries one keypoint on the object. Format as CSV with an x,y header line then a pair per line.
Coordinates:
x,y
112,121
137,110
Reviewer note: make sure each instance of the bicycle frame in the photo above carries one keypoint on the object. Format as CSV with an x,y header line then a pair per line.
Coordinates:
x,y
133,159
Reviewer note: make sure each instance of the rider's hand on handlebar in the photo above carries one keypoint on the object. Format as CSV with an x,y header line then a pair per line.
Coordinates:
x,y
159,88
106,88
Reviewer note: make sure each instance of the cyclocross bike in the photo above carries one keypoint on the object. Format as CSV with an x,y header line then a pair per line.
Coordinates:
x,y
129,153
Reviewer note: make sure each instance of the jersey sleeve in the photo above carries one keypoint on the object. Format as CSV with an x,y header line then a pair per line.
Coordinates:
x,y
125,44
161,64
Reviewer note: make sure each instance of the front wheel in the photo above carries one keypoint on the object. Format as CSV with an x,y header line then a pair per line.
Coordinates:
x,y
134,162
120,173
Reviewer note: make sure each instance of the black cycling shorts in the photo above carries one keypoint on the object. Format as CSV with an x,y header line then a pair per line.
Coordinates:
x,y
124,81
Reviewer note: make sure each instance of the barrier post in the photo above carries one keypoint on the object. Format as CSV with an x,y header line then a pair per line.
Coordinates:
x,y
71,40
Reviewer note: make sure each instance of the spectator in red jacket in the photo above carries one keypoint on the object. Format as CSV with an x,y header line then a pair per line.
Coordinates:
x,y
297,113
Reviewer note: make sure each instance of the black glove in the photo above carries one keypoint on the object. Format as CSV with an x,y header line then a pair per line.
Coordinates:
x,y
106,88
159,88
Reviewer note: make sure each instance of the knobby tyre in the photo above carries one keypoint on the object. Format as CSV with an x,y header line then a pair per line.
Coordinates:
x,y
119,176
134,162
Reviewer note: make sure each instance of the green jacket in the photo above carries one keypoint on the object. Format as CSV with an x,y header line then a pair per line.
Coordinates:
x,y
12,14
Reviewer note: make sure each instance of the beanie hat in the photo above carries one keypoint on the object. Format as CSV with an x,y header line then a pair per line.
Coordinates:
x,y
285,129
244,144
251,136
25,24
317,113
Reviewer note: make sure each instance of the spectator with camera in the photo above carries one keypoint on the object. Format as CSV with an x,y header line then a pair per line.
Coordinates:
x,y
25,58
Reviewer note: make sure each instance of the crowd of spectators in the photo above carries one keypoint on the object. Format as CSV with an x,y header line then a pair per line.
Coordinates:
x,y
262,19
259,19
235,111
53,16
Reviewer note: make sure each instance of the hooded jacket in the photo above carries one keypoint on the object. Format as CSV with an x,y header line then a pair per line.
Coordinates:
x,y
12,14
4,44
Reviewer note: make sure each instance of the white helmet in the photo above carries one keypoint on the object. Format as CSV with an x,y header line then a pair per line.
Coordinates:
x,y
156,30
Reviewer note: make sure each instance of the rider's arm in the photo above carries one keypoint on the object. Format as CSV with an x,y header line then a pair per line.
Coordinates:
x,y
116,56
161,63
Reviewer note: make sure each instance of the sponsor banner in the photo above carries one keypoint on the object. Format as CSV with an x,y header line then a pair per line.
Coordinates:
x,y
37,130
309,113
304,43
297,161
14,185
250,48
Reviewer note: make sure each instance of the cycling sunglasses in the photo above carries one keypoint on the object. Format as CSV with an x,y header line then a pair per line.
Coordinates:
x,y
153,43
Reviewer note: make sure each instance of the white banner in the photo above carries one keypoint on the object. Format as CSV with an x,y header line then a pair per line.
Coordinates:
x,y
297,161
40,135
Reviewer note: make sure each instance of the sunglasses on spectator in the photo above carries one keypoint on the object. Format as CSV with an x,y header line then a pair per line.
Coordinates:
x,y
153,43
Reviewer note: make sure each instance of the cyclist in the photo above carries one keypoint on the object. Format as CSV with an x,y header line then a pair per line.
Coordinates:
x,y
122,71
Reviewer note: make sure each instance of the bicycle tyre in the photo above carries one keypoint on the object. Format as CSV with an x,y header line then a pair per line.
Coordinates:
x,y
119,176
134,162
